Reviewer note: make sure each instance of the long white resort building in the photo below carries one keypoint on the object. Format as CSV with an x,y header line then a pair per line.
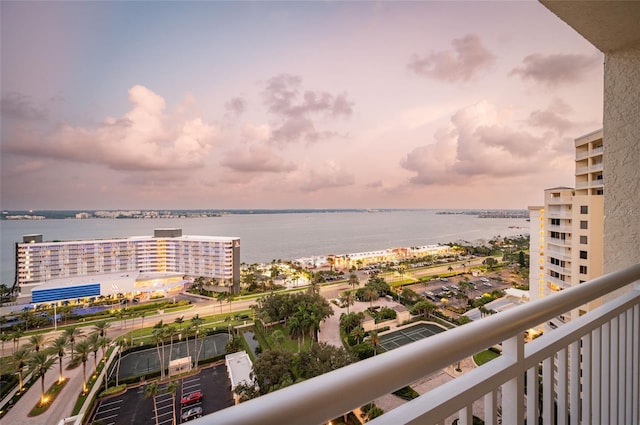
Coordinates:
x,y
139,266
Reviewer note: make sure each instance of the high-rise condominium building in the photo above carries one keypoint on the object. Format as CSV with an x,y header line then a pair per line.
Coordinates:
x,y
145,265
566,234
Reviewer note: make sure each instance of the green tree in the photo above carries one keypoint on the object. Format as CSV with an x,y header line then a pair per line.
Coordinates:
x,y
36,342
278,338
273,369
172,387
423,308
348,299
221,298
19,361
321,358
353,280
72,333
101,328
374,339
358,334
59,347
83,349
40,362
196,323
93,341
158,338
372,294
15,337
151,391
121,344
490,262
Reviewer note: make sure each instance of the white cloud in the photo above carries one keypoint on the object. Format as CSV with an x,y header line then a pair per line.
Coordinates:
x,y
143,139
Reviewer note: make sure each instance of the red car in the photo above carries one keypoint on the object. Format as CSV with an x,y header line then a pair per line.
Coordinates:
x,y
191,397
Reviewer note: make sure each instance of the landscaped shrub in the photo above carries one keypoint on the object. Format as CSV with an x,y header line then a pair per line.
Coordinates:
x,y
406,393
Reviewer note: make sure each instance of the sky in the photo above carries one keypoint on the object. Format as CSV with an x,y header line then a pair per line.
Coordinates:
x,y
290,104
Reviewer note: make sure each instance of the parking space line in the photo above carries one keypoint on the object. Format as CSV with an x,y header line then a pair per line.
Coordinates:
x,y
105,418
112,402
108,410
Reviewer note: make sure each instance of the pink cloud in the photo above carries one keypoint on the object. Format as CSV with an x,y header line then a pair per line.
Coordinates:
x,y
465,61
143,139
296,110
558,68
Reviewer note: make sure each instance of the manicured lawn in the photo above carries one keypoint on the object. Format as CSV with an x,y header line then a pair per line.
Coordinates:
x,y
484,357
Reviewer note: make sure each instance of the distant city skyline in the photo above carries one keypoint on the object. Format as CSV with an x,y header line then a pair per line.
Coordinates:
x,y
274,105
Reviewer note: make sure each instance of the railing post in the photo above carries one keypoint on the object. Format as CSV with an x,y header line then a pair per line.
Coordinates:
x,y
596,376
587,381
490,408
635,369
547,391
532,395
574,382
561,378
513,390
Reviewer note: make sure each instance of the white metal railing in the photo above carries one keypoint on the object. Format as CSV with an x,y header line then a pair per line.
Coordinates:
x,y
590,370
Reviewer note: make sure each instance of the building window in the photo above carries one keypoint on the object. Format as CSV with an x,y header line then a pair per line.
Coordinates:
x,y
555,222
584,224
584,209
583,255
583,269
583,240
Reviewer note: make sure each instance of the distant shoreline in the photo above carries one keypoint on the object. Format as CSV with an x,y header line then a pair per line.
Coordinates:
x,y
157,214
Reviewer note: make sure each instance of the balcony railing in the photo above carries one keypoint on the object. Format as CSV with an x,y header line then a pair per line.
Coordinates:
x,y
590,370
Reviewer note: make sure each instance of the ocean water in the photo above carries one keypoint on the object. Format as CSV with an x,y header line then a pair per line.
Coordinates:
x,y
287,236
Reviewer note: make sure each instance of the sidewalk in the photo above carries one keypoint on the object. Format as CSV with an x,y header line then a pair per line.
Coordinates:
x,y
63,404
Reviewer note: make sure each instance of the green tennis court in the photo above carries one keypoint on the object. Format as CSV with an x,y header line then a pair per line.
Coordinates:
x,y
409,334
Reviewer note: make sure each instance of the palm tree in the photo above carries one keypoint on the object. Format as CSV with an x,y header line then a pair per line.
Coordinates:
x,y
59,347
295,329
179,321
196,322
36,342
158,337
229,300
121,344
19,359
371,294
71,333
4,338
83,349
151,391
170,331
41,362
101,328
375,340
348,299
221,296
103,343
358,333
15,337
92,340
172,387
353,280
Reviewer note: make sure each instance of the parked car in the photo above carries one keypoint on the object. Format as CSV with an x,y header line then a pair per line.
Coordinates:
x,y
192,397
192,413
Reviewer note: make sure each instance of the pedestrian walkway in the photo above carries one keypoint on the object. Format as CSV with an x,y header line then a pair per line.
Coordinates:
x,y
61,407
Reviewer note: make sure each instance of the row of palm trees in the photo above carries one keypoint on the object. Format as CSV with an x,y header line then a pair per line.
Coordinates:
x,y
163,331
39,354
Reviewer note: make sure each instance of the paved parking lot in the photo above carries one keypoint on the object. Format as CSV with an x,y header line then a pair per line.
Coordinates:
x,y
132,408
